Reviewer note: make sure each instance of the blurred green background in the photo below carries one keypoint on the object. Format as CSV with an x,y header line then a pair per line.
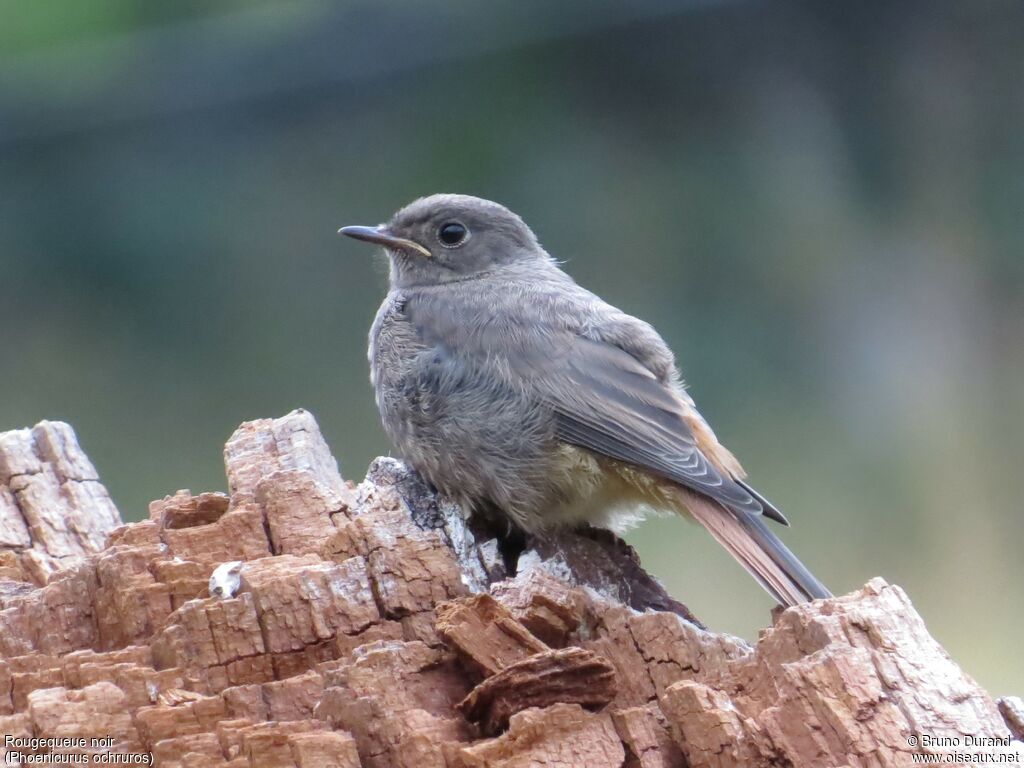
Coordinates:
x,y
820,206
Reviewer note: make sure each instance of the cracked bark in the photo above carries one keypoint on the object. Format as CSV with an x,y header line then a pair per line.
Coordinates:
x,y
372,625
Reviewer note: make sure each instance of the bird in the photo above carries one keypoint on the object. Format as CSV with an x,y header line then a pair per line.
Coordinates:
x,y
524,396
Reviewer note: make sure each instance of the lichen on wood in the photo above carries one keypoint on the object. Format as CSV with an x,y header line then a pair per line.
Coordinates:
x,y
374,625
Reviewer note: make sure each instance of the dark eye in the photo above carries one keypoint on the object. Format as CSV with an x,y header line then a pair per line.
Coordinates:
x,y
452,234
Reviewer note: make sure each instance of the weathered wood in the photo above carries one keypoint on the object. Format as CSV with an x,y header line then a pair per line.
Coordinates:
x,y
374,626
1012,710
53,508
485,634
563,676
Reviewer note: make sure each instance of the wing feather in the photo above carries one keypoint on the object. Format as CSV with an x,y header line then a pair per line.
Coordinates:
x,y
608,403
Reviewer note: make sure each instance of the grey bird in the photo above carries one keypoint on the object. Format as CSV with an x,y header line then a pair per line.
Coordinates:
x,y
515,391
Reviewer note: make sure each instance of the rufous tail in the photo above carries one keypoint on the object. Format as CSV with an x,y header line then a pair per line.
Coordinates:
x,y
756,548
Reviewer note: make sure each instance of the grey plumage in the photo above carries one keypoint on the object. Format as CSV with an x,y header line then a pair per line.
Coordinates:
x,y
515,390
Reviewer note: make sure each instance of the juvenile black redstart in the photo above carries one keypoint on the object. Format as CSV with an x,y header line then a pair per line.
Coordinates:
x,y
514,390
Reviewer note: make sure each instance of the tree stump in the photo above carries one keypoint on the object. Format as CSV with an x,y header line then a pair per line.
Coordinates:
x,y
373,625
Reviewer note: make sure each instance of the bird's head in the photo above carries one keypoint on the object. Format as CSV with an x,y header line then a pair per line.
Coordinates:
x,y
442,238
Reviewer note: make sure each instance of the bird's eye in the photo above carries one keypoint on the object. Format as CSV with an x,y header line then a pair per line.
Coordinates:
x,y
452,234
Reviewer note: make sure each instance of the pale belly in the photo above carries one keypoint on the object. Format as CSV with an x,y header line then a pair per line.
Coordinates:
x,y
604,492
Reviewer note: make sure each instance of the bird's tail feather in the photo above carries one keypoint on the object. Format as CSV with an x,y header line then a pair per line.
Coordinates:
x,y
760,551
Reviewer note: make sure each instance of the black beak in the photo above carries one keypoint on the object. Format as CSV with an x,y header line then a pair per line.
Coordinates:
x,y
381,236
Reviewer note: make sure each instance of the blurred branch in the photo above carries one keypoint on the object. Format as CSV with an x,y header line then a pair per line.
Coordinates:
x,y
267,52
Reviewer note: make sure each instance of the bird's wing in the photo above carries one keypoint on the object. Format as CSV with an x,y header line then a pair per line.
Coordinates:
x,y
604,398
609,403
